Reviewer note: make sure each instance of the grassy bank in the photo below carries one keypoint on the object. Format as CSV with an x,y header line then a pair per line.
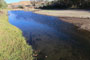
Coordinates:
x,y
12,44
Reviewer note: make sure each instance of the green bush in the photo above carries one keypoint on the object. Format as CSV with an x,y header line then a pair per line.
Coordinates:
x,y
3,4
85,4
20,7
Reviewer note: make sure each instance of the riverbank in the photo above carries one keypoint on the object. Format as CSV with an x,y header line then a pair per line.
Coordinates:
x,y
81,23
50,38
80,18
12,44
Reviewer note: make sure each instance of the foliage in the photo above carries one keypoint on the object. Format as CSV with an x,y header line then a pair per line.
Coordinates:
x,y
3,4
69,4
12,44
20,7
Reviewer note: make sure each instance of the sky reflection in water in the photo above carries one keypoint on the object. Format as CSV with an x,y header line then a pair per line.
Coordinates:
x,y
50,36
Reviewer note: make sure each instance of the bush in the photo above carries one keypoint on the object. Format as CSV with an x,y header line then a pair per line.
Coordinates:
x,y
3,4
62,4
21,7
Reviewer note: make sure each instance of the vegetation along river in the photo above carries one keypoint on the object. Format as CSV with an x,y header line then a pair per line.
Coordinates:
x,y
52,38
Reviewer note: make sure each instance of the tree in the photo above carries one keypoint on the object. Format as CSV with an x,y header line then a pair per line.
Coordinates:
x,y
3,4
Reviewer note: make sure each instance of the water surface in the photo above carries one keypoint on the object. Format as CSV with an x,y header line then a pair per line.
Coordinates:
x,y
52,38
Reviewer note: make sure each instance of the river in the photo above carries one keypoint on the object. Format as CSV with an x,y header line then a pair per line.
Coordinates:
x,y
52,38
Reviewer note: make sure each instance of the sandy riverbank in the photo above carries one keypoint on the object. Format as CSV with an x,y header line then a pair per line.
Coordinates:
x,y
80,18
66,13
82,23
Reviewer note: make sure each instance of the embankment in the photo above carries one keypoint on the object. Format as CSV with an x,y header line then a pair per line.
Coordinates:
x,y
80,18
12,44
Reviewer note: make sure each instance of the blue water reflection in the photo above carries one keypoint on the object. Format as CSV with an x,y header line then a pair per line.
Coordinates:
x,y
51,37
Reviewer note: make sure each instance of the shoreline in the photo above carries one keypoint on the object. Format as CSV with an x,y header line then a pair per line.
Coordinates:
x,y
12,42
80,22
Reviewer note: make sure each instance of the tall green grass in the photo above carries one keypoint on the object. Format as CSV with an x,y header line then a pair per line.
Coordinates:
x,y
12,44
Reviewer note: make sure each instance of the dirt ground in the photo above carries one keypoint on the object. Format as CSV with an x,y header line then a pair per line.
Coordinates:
x,y
82,23
66,13
80,18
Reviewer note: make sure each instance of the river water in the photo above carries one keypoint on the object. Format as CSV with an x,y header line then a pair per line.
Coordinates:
x,y
52,38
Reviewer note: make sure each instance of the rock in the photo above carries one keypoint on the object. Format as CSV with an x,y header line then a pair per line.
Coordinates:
x,y
85,27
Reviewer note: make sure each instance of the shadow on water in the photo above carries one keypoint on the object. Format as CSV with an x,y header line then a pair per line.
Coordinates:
x,y
52,38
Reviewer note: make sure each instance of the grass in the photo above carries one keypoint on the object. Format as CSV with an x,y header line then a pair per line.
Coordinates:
x,y
12,44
